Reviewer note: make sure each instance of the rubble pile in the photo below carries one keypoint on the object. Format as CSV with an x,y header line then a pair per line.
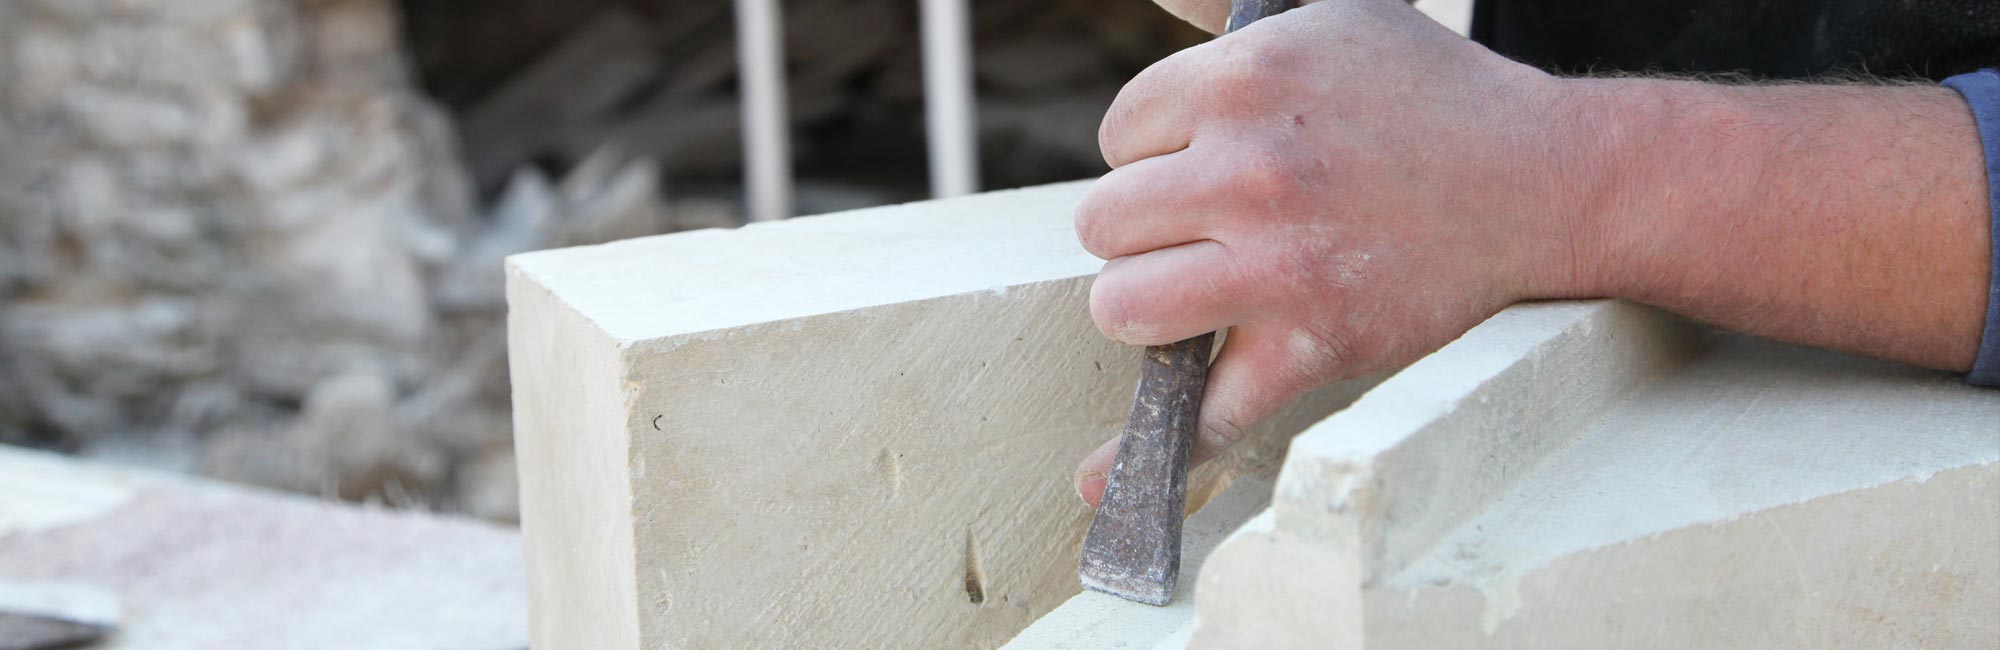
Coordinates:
x,y
239,240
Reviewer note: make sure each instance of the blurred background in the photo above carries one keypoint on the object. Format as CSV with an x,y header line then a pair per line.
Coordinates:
x,y
261,240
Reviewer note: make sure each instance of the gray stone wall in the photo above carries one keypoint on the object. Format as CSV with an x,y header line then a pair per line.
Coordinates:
x,y
224,229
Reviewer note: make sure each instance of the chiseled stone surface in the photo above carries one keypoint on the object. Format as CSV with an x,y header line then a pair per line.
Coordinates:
x,y
1094,619
857,430
841,431
195,564
1591,475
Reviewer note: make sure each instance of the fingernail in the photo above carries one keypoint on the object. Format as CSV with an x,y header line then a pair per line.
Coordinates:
x,y
1087,479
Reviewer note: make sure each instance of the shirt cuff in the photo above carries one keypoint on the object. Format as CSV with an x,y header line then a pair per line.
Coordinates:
x,y
1981,89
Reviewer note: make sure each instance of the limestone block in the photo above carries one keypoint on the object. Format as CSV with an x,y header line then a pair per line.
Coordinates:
x,y
855,430
1590,475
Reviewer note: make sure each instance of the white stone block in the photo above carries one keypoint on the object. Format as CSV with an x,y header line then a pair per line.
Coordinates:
x,y
1094,619
855,430
1592,475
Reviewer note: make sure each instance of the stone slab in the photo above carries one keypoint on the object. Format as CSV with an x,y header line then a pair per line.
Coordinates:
x,y
839,431
1598,474
196,564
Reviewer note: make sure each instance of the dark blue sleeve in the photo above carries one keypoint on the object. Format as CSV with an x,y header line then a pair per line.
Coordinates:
x,y
1982,90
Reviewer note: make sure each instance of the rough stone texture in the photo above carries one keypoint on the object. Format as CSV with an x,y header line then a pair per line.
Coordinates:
x,y
234,238
1593,475
1600,475
198,565
1093,619
222,205
861,435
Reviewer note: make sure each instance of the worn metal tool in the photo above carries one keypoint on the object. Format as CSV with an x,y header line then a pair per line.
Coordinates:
x,y
1133,550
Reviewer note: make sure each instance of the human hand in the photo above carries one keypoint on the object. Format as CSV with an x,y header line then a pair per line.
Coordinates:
x,y
1345,187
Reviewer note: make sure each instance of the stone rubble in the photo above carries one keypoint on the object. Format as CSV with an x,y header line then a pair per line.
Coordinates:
x,y
239,219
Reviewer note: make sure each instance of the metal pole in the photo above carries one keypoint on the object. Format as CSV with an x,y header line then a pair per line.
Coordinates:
x,y
948,103
767,149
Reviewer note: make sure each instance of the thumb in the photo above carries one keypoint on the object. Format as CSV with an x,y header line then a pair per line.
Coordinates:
x,y
1256,374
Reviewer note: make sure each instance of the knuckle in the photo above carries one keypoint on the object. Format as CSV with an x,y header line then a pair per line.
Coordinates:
x,y
1224,431
1267,173
1266,54
1318,354
1221,284
1144,94
1239,87
1257,70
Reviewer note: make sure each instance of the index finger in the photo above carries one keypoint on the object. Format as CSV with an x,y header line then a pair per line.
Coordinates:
x,y
1154,113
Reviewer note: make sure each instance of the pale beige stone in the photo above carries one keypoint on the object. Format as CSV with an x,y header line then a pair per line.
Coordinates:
x,y
855,430
570,415
1592,475
1094,619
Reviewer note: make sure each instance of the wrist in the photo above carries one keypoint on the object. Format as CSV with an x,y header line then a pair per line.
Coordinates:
x,y
1658,159
1598,146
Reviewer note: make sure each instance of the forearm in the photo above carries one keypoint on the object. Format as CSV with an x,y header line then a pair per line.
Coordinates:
x,y
1849,217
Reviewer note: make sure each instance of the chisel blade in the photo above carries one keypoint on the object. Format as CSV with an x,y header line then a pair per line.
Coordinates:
x,y
1133,549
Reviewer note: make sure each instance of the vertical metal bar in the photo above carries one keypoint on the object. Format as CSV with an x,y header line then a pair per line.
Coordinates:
x,y
948,103
767,149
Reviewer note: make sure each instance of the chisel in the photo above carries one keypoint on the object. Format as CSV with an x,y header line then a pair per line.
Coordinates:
x,y
1133,549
